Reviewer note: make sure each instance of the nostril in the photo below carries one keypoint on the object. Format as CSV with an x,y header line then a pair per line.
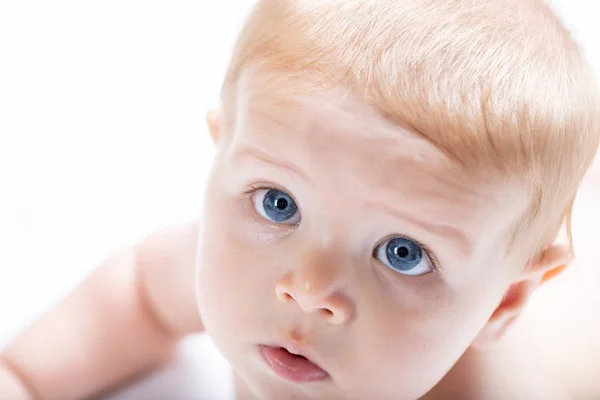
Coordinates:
x,y
286,297
326,312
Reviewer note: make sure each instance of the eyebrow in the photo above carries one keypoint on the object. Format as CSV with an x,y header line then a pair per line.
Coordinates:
x,y
444,231
259,154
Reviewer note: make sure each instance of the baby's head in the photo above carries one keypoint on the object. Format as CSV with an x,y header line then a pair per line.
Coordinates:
x,y
390,180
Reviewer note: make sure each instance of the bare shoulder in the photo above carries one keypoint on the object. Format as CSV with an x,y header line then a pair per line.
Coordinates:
x,y
175,244
166,261
565,311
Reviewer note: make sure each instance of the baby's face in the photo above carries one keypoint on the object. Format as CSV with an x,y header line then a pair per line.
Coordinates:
x,y
335,234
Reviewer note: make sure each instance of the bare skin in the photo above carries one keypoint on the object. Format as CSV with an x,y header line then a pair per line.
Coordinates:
x,y
122,321
147,296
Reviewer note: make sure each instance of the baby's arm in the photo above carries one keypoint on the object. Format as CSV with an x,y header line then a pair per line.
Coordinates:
x,y
123,320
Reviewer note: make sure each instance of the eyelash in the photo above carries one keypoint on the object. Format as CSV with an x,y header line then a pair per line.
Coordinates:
x,y
254,187
434,261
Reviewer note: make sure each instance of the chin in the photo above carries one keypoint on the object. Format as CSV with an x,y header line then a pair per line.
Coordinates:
x,y
263,389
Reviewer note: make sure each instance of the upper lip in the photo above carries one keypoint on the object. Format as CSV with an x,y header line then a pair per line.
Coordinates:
x,y
299,348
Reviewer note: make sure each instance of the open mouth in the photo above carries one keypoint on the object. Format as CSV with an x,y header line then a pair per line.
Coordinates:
x,y
293,367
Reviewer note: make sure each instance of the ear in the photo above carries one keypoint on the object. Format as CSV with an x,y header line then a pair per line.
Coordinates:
x,y
213,119
546,265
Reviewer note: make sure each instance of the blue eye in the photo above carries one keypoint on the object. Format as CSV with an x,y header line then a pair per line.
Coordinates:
x,y
276,206
404,256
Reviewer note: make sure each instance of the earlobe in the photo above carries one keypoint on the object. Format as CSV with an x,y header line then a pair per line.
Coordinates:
x,y
545,266
213,119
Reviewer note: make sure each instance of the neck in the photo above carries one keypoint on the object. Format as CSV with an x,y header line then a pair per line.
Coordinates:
x,y
242,391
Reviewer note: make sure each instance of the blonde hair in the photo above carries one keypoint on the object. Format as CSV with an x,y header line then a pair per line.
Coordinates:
x,y
495,84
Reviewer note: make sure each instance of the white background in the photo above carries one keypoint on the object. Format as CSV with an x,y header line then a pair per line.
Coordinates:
x,y
102,132
102,129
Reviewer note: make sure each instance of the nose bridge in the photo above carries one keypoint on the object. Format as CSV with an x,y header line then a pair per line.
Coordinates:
x,y
318,272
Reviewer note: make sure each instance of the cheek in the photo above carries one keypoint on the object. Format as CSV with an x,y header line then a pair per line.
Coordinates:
x,y
232,283
399,347
222,269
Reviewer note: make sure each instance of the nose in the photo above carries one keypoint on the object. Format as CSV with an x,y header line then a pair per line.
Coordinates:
x,y
315,287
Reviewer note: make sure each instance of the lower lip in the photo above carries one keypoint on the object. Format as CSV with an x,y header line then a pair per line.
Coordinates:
x,y
291,367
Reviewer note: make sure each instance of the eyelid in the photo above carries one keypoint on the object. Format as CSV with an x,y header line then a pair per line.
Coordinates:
x,y
255,187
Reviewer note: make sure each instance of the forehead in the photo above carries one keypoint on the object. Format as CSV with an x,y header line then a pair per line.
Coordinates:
x,y
348,149
334,125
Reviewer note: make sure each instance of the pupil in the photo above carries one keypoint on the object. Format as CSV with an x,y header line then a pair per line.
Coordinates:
x,y
281,203
402,252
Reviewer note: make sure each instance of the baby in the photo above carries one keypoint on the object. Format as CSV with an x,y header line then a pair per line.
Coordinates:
x,y
390,181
